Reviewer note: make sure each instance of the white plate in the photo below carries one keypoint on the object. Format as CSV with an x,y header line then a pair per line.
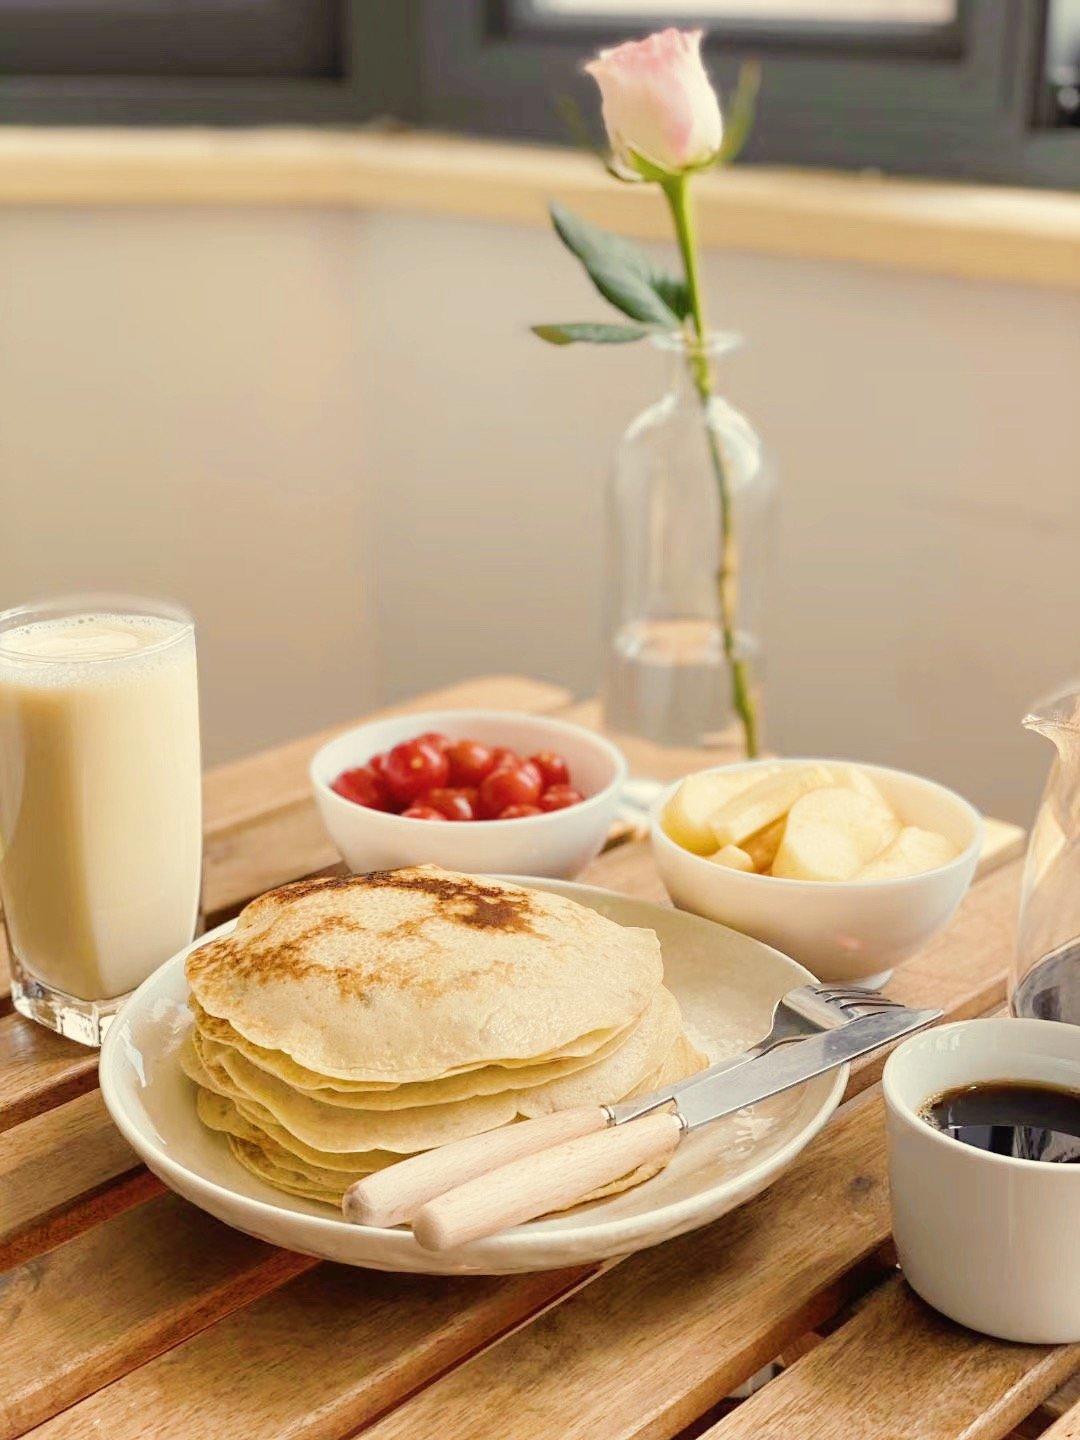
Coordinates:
x,y
726,984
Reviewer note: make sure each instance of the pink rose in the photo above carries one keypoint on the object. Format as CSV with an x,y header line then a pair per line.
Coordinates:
x,y
657,101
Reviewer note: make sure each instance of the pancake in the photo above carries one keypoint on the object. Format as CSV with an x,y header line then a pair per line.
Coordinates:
x,y
339,1128
292,1181
486,1080
416,974
277,1167
231,1118
348,1022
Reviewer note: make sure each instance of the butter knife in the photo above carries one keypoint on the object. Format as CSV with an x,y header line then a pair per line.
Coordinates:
x,y
643,1133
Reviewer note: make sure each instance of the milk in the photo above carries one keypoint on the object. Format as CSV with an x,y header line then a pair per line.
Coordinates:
x,y
100,810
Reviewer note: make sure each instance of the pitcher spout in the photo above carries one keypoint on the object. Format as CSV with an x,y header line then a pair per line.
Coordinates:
x,y
1057,716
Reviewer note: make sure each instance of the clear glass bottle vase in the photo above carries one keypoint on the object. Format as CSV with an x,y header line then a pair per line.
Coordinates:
x,y
689,470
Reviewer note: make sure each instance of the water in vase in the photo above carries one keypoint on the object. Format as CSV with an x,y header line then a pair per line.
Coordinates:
x,y
667,681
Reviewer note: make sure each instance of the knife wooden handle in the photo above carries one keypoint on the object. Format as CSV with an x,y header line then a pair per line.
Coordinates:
x,y
549,1180
395,1194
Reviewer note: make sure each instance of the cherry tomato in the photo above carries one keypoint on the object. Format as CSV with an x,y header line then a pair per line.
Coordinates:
x,y
553,768
363,787
559,797
440,741
378,763
454,804
518,812
422,812
413,767
502,755
507,786
470,762
532,769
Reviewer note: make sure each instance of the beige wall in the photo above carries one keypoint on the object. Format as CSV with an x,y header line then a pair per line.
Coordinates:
x,y
333,436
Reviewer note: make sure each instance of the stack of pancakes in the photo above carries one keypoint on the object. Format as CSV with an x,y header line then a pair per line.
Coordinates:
x,y
346,1023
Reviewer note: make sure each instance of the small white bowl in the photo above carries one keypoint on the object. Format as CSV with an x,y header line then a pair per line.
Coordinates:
x,y
559,844
989,1240
853,930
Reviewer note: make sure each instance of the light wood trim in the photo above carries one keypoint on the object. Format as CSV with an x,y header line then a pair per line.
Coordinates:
x,y
974,231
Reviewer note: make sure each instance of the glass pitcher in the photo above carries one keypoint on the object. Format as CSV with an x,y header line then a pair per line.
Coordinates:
x,y
1046,978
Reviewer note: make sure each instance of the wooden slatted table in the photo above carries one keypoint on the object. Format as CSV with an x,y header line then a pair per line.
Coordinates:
x,y
124,1312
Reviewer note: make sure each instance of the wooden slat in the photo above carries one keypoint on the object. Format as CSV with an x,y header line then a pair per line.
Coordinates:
x,y
1064,1399
899,1368
76,1318
60,1174
39,1069
320,1357
652,1343
1066,1428
241,863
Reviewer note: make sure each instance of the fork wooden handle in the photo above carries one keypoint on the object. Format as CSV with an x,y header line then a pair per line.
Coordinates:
x,y
395,1194
551,1179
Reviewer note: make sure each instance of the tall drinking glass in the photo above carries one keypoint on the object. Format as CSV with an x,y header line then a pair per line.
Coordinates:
x,y
100,802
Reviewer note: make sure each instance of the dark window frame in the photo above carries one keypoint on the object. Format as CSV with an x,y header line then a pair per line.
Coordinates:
x,y
374,76
965,102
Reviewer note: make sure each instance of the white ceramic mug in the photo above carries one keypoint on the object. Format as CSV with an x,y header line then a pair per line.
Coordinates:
x,y
990,1241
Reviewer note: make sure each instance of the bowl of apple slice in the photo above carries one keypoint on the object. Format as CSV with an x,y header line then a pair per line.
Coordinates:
x,y
846,868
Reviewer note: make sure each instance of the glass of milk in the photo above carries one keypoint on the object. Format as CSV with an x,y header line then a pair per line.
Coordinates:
x,y
100,802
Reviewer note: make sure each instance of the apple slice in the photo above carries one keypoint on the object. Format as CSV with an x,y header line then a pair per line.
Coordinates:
x,y
732,857
686,815
912,852
765,802
831,834
856,779
762,846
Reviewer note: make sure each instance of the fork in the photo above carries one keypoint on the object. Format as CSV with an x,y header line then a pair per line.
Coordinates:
x,y
395,1194
804,1011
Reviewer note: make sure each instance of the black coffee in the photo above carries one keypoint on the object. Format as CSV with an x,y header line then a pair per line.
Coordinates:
x,y
1017,1118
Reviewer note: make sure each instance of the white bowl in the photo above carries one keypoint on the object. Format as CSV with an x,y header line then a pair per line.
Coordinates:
x,y
559,844
726,986
841,930
989,1240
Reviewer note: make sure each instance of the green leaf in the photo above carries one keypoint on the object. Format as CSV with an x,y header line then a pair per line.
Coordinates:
x,y
622,273
740,119
590,333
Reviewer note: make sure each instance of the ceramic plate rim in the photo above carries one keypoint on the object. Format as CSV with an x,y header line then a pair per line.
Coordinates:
x,y
606,1236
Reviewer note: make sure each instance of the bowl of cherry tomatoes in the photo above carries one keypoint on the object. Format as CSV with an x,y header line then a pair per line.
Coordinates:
x,y
474,790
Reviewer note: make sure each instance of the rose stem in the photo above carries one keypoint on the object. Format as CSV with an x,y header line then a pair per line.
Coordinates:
x,y
677,191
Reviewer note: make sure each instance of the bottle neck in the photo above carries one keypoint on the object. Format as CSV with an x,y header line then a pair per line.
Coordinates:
x,y
692,364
